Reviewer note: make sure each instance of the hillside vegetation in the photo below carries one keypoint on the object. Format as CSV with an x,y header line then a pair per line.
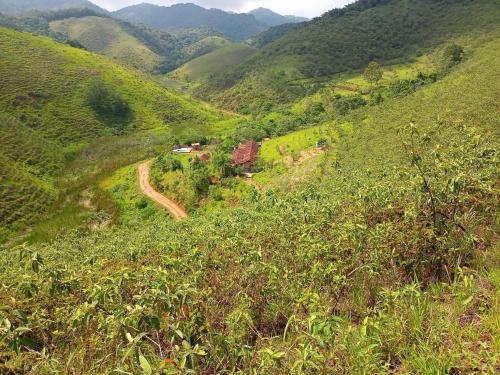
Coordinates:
x,y
385,260
55,100
382,30
365,240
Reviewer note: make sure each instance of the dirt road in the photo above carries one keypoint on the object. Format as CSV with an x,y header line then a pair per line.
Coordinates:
x,y
177,211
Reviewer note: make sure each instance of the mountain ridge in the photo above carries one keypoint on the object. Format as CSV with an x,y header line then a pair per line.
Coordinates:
x,y
271,18
23,6
234,26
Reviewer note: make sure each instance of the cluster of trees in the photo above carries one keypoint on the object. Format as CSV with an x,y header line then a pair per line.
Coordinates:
x,y
185,184
452,55
108,105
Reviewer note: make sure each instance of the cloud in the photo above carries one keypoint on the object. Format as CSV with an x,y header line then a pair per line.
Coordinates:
x,y
311,8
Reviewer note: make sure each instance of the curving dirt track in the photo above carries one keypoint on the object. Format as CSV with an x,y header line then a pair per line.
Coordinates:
x,y
177,211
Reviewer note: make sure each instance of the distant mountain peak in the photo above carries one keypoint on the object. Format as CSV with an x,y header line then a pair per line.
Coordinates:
x,y
271,18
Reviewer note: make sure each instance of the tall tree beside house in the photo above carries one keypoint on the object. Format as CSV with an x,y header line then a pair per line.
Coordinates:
x,y
222,161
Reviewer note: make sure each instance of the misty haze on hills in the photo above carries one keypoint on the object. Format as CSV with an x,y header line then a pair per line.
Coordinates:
x,y
312,8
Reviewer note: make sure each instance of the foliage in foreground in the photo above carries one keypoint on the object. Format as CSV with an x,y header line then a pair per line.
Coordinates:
x,y
347,274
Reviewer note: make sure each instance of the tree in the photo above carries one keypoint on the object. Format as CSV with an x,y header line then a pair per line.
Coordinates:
x,y
200,178
168,163
222,161
373,72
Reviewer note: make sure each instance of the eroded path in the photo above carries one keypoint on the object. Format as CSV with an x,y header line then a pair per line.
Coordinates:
x,y
177,211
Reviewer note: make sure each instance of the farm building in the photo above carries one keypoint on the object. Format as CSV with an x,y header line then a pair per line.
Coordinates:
x,y
245,155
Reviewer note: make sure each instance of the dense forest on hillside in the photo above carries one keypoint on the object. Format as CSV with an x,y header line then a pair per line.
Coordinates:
x,y
273,33
385,31
270,18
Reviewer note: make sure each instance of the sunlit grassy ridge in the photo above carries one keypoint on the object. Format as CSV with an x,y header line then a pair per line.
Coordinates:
x,y
384,262
106,36
46,119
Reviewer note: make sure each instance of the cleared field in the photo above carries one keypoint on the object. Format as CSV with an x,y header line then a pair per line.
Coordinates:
x,y
292,144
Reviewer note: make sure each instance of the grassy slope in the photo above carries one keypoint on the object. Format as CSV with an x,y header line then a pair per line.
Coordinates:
x,y
327,278
107,37
212,63
333,44
43,107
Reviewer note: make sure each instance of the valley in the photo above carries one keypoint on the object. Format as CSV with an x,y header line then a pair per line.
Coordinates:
x,y
189,190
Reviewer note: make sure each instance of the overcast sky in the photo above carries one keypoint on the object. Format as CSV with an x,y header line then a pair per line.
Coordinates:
x,y
305,8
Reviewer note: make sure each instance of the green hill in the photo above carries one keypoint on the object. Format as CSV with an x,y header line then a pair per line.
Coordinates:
x,y
387,250
147,49
213,63
55,100
106,36
346,40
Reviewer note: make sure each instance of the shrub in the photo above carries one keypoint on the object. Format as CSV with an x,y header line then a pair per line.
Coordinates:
x,y
167,163
344,104
452,55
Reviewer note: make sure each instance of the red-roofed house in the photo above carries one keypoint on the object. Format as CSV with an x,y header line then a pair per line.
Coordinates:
x,y
245,155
